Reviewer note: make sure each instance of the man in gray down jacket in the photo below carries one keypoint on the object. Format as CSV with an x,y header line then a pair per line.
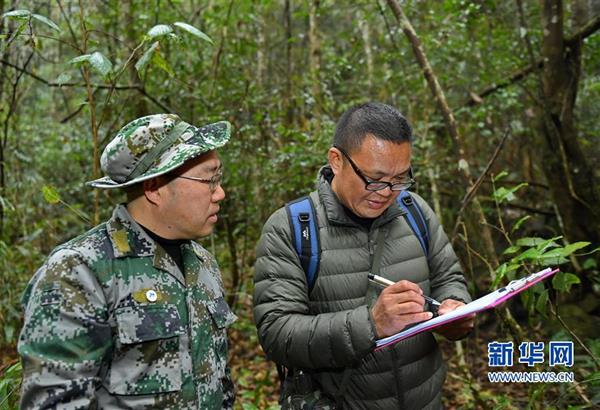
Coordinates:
x,y
328,333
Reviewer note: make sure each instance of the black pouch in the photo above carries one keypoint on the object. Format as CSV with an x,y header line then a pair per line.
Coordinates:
x,y
299,392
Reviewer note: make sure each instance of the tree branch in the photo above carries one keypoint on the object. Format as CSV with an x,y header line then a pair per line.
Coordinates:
x,y
590,28
477,98
473,189
137,88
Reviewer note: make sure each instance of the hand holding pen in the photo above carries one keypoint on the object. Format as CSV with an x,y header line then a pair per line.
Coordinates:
x,y
452,331
386,282
399,305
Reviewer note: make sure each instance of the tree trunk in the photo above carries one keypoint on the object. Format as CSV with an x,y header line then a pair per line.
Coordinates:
x,y
288,102
2,159
314,60
6,111
573,185
261,66
366,37
141,105
93,120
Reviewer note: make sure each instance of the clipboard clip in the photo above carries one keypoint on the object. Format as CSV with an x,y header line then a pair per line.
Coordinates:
x,y
517,284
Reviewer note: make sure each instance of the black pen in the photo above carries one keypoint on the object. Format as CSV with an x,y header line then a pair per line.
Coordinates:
x,y
386,282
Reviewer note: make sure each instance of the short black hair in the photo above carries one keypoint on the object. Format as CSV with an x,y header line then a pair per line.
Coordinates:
x,y
380,120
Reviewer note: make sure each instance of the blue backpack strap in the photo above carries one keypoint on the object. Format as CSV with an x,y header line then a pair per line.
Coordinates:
x,y
414,217
305,236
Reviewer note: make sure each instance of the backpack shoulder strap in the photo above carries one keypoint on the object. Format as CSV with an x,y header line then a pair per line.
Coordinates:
x,y
305,236
414,217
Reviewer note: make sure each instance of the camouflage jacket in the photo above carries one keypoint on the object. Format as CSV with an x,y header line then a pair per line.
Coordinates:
x,y
111,322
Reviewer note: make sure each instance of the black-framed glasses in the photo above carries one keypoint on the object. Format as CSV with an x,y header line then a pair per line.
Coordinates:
x,y
213,182
371,185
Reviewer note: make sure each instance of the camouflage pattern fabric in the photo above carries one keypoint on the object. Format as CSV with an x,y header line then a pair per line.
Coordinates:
x,y
154,145
111,322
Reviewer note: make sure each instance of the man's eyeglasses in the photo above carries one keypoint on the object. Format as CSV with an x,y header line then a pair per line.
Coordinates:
x,y
371,185
213,182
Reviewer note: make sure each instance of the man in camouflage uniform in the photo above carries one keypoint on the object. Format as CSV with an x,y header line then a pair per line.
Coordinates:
x,y
131,314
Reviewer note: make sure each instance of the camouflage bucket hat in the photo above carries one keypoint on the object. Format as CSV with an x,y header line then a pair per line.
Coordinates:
x,y
154,145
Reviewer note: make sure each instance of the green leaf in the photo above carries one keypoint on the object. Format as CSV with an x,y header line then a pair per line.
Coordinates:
x,y
500,194
51,195
529,254
590,263
97,60
528,241
80,60
554,253
504,194
552,260
500,272
541,303
19,14
506,269
500,176
548,243
100,63
193,30
145,59
511,249
159,31
62,78
569,249
518,224
563,281
161,63
46,21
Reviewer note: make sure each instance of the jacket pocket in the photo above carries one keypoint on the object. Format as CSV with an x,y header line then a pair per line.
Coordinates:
x,y
222,317
146,359
220,312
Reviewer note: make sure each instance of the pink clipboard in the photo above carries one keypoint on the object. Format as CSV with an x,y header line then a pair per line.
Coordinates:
x,y
488,301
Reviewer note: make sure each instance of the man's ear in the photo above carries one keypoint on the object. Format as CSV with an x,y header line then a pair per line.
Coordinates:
x,y
335,159
152,190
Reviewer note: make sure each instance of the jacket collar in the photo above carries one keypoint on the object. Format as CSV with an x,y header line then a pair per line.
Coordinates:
x,y
128,238
336,214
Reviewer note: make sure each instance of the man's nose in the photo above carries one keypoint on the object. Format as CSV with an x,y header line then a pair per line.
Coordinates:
x,y
386,192
218,194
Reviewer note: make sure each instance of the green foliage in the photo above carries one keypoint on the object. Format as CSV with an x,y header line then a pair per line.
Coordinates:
x,y
27,15
534,253
97,61
193,30
503,194
563,281
10,381
159,31
145,59
165,32
50,194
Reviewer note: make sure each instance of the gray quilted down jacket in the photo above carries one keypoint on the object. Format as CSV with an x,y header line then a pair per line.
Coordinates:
x,y
331,329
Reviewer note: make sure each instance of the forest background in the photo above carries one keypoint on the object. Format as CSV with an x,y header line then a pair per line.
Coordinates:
x,y
503,96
